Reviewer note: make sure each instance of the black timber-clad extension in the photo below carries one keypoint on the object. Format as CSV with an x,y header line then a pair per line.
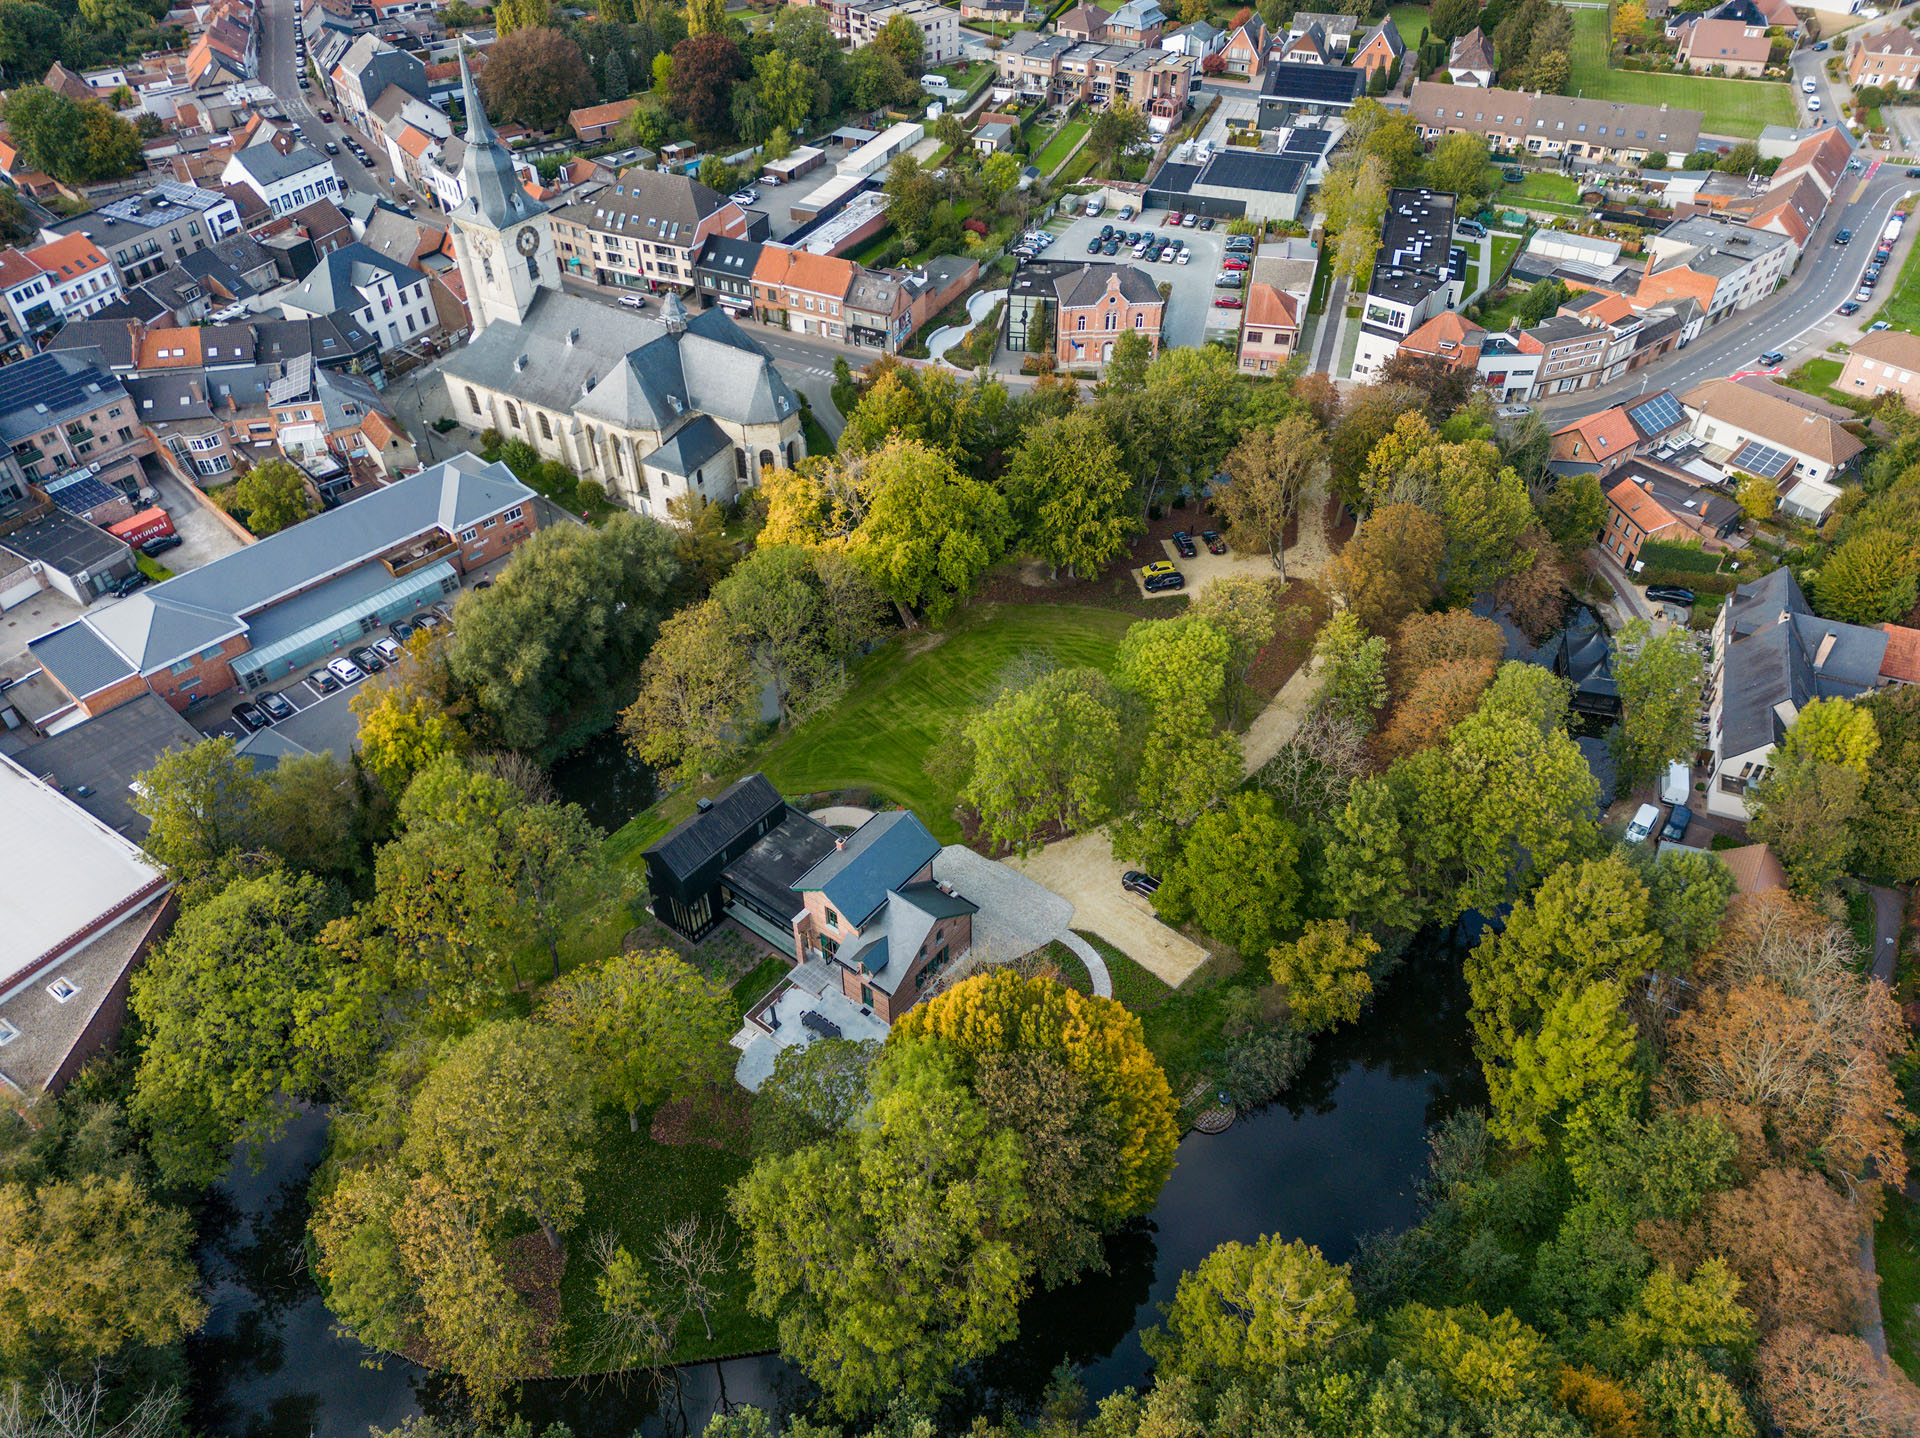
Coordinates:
x,y
684,868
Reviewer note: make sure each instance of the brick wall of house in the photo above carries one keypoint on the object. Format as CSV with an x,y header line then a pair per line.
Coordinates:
x,y
1085,331
954,935
493,538
211,673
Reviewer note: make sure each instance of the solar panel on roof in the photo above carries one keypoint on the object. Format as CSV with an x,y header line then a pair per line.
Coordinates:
x,y
80,491
1655,415
1762,459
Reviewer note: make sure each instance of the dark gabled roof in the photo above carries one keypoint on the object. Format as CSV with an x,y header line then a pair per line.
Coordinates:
x,y
1314,84
698,840
1086,285
881,855
45,390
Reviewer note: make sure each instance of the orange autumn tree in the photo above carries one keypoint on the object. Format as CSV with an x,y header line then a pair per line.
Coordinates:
x,y
1793,1045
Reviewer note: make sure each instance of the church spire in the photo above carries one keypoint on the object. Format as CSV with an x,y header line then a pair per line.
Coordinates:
x,y
479,131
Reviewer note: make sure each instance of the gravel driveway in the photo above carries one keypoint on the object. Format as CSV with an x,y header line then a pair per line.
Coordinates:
x,y
1083,871
1016,915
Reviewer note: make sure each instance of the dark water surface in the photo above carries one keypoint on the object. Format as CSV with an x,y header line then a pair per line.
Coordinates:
x,y
604,778
1337,1160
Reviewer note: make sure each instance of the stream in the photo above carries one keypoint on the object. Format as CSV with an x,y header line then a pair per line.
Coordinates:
x,y
1337,1158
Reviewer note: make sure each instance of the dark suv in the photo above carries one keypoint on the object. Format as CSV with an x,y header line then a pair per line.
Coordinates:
x,y
1139,883
1183,542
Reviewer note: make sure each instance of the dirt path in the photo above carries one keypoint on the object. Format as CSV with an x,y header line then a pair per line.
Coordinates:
x,y
1311,549
1280,720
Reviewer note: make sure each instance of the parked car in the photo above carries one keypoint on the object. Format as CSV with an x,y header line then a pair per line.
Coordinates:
x,y
1471,228
402,630
387,649
323,683
1112,247
1771,357
1183,542
331,148
1189,220
1228,280
1174,217
1126,213
1162,574
1851,307
1228,302
1513,411
326,117
1140,883
1095,245
1678,817
345,670
1206,222
250,716
160,544
126,586
1644,818
633,302
1233,262
1879,325
1669,594
1864,293
427,619
744,197
277,706
1819,45
1869,279
367,659
1813,105
1106,232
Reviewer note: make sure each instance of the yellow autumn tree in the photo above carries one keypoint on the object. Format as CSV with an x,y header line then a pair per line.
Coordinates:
x,y
1095,1039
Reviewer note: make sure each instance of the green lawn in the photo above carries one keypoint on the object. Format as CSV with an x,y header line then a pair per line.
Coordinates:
x,y
1898,1258
1504,246
1184,1025
1816,378
1543,185
1409,20
903,696
1731,107
1060,146
907,693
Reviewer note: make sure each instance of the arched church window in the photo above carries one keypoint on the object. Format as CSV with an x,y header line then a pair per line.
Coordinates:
x,y
473,400
513,415
486,267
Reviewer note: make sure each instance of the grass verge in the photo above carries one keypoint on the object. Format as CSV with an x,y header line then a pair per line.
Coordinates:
x,y
1060,146
1902,308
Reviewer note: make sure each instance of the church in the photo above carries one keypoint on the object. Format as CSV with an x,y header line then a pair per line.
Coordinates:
x,y
652,409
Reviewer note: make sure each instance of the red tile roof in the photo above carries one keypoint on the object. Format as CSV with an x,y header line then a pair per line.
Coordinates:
x,y
1607,433
1902,659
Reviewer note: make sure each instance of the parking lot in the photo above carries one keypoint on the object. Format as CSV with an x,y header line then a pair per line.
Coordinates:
x,y
321,721
1190,307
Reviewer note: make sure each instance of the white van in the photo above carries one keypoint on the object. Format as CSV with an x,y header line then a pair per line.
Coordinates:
x,y
1644,818
1809,86
1677,787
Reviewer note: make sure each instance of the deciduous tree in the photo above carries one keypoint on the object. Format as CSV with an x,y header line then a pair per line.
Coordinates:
x,y
1353,671
1324,972
1680,1394
1098,1040
565,625
1831,1385
890,1256
506,1121
1438,699
536,76
1889,837
1274,470
705,69
1045,758
402,730
1178,669
1791,1238
1072,501
200,803
1237,875
272,496
1575,1073
1659,678
698,697
1391,567
242,1012
1242,610
1870,578
646,1024
1574,511
1251,1310
930,532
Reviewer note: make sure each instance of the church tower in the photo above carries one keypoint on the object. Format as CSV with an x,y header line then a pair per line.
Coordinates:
x,y
502,237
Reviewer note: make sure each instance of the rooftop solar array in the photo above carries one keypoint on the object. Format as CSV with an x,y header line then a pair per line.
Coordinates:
x,y
1656,415
80,490
298,381
1762,459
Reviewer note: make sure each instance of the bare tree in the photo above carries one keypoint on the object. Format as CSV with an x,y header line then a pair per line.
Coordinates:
x,y
72,1410
693,1254
631,1331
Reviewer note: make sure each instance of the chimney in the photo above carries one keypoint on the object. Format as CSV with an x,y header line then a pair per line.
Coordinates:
x,y
702,805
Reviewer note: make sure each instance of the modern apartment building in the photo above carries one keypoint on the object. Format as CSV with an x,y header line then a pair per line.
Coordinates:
x,y
645,229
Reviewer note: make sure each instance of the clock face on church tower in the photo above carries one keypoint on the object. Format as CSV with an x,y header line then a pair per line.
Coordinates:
x,y
528,241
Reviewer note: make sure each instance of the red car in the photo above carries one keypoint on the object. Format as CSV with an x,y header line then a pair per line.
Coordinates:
x,y
1173,217
1233,262
326,117
1227,302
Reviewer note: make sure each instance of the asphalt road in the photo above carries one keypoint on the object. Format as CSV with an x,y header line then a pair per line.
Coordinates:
x,y
1799,319
282,69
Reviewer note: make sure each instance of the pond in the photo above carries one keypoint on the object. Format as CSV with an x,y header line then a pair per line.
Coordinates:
x,y
1339,1158
604,778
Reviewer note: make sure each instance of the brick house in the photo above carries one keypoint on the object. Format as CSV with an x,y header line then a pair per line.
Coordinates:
x,y
1269,330
1608,438
1738,49
598,122
873,910
645,229
1246,49
1883,363
1649,501
1379,49
1097,303
803,291
1891,57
